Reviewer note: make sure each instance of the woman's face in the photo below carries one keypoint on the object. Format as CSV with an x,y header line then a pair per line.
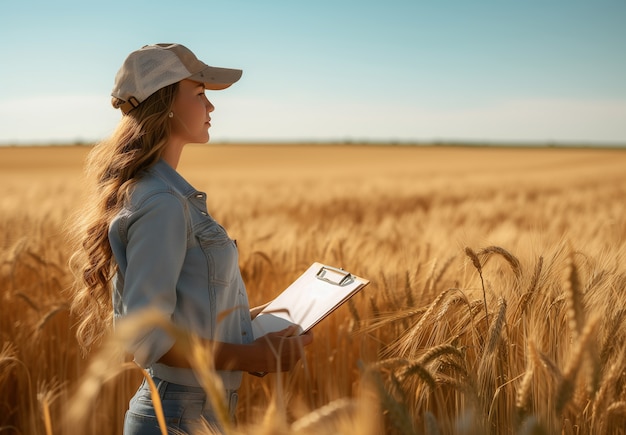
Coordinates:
x,y
191,113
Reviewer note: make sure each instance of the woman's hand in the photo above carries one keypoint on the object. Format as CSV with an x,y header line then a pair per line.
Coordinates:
x,y
279,351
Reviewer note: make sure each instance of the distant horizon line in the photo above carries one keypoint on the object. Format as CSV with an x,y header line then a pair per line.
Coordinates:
x,y
361,142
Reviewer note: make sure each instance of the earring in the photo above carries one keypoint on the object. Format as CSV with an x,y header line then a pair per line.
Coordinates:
x,y
171,115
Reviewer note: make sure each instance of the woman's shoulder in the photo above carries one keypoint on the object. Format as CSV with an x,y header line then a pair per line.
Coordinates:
x,y
160,178
151,206
152,200
149,188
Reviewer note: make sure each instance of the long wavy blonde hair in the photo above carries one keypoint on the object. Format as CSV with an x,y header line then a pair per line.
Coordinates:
x,y
112,166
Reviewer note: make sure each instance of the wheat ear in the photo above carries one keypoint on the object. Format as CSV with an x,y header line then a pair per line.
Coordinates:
x,y
409,344
607,389
523,393
565,390
574,299
496,329
422,372
510,258
439,351
525,299
476,262
319,419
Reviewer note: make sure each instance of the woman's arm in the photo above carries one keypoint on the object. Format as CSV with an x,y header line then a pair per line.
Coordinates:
x,y
276,351
155,249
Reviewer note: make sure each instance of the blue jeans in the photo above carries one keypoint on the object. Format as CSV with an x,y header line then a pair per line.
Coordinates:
x,y
186,409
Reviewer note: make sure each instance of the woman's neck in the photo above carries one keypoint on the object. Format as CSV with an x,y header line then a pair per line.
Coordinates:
x,y
171,154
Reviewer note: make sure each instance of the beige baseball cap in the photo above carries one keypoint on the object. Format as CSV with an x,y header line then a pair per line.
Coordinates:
x,y
153,67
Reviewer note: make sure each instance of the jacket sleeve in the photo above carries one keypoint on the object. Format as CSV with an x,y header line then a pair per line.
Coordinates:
x,y
155,252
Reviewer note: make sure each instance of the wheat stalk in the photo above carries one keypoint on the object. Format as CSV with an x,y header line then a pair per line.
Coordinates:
x,y
386,319
397,413
612,336
549,365
156,400
46,416
27,299
457,298
617,408
202,361
353,311
388,363
531,426
374,307
428,285
106,365
408,290
491,371
441,272
9,359
322,418
431,427
49,315
615,418
568,427
386,288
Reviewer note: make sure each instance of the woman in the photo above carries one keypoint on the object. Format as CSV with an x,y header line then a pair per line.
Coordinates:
x,y
148,242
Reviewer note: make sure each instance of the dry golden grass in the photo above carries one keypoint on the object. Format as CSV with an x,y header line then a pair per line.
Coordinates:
x,y
496,305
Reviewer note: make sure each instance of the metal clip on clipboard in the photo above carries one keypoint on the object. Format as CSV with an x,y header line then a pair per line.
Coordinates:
x,y
334,276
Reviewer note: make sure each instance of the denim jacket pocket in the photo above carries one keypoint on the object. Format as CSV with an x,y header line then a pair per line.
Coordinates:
x,y
221,253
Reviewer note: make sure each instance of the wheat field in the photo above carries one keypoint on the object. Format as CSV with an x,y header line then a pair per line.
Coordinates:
x,y
496,305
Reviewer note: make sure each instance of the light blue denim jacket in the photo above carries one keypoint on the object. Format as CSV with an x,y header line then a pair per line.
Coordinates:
x,y
173,256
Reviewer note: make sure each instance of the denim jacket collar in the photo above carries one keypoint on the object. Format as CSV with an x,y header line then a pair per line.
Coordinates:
x,y
173,178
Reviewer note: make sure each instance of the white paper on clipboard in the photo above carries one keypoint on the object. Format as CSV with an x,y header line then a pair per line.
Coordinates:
x,y
314,295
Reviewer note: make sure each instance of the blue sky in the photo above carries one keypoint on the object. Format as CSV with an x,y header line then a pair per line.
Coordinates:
x,y
494,71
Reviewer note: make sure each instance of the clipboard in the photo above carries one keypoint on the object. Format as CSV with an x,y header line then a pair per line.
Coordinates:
x,y
319,291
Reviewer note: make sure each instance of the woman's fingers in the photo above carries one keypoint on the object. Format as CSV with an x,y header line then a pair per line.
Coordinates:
x,y
306,338
286,346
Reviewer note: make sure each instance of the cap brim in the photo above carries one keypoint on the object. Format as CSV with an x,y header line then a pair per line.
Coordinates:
x,y
215,78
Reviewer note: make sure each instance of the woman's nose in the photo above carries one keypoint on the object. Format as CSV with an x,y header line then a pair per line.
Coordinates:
x,y
209,107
